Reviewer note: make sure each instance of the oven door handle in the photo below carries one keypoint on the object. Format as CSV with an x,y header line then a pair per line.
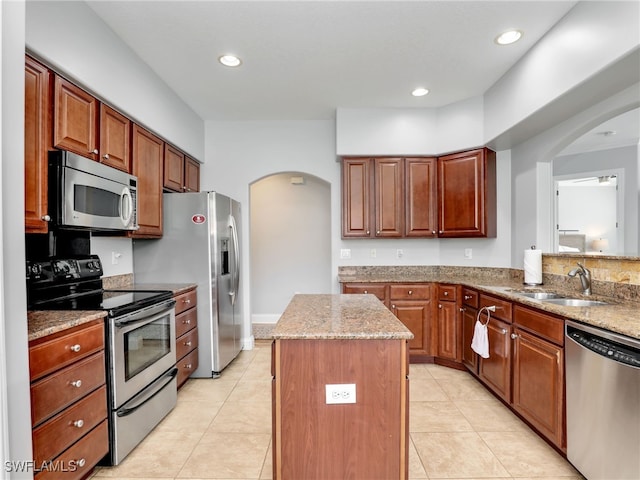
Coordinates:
x,y
145,315
126,410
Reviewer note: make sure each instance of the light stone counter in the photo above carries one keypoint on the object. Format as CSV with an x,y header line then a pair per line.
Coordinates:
x,y
338,317
45,322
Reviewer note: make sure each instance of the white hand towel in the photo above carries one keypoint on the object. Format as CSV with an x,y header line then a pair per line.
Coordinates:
x,y
480,341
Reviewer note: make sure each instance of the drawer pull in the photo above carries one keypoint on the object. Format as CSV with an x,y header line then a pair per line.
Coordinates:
x,y
186,322
187,366
78,423
410,292
81,463
187,301
75,348
446,294
76,383
462,309
366,291
514,336
503,331
187,344
468,297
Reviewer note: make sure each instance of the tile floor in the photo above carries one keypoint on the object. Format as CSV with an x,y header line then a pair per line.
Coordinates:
x,y
222,429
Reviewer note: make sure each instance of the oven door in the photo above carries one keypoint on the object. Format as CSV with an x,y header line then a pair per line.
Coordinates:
x,y
142,349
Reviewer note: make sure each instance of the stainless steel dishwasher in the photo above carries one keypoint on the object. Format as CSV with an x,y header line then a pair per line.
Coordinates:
x,y
603,402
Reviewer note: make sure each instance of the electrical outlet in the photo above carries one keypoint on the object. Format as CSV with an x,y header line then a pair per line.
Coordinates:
x,y
468,253
373,253
115,258
340,393
345,253
399,253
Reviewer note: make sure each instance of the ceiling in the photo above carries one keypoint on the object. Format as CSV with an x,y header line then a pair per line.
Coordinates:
x,y
304,59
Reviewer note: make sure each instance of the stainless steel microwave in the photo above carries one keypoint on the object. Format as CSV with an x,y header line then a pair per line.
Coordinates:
x,y
85,194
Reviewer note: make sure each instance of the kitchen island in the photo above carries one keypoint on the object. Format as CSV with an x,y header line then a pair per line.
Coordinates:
x,y
340,390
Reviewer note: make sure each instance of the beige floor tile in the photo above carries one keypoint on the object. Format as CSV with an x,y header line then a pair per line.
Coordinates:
x,y
258,371
489,416
206,389
244,417
426,390
457,455
463,388
439,372
526,454
416,470
436,417
194,416
251,391
267,468
227,456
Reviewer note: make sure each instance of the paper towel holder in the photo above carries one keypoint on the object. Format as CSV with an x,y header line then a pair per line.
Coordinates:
x,y
537,275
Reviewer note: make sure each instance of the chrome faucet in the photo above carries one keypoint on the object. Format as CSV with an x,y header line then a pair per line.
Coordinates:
x,y
585,277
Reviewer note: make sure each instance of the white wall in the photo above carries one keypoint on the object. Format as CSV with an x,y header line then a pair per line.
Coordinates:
x,y
13,303
72,38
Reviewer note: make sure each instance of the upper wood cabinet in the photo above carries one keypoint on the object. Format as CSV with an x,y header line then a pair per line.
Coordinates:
x,y
147,153
421,197
115,139
356,197
467,194
37,141
75,126
181,173
388,195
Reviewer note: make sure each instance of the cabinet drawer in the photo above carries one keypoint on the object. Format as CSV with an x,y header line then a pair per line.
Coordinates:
x,y
470,298
186,343
410,292
186,321
359,288
503,307
544,325
55,435
57,391
51,355
447,293
186,300
78,461
186,366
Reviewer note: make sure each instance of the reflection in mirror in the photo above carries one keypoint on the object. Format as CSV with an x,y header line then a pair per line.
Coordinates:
x,y
596,190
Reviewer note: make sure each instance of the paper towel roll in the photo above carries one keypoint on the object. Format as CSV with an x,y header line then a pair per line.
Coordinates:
x,y
533,267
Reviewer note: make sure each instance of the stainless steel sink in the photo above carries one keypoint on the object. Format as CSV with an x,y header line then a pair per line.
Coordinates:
x,y
574,302
541,295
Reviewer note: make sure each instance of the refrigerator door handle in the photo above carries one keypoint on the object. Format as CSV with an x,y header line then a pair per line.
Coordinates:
x,y
236,252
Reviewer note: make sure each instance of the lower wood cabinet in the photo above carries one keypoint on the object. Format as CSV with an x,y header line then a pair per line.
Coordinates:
x,y
363,440
470,302
186,334
69,402
495,371
413,305
448,323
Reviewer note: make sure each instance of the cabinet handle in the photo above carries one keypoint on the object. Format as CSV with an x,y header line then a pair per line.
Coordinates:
x,y
366,291
439,305
410,292
433,232
368,233
467,297
76,383
446,294
186,322
94,151
46,218
462,309
514,336
440,232
187,301
75,348
187,365
81,462
378,232
105,156
503,331
78,423
187,344
393,306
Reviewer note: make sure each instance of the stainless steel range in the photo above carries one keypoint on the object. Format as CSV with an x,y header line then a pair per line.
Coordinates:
x,y
140,333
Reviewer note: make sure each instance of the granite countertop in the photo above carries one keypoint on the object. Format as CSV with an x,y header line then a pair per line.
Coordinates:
x,y
617,316
176,288
45,322
356,317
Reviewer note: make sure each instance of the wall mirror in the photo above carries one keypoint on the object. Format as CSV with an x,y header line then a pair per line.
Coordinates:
x,y
596,190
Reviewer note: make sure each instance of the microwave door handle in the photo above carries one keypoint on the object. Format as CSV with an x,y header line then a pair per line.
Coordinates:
x,y
126,206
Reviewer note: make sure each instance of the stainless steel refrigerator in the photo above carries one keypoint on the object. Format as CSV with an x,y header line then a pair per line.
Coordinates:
x,y
200,244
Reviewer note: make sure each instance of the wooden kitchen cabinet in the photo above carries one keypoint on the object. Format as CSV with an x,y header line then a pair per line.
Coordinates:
x,y
147,165
115,139
538,372
181,173
75,126
413,305
186,334
37,141
380,290
470,302
372,198
448,323
69,401
421,219
467,194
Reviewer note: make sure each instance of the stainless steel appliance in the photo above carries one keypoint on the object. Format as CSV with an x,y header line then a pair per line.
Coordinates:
x,y
200,244
140,342
89,195
603,403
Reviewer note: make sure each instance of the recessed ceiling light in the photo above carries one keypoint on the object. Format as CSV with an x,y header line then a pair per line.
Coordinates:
x,y
420,92
229,60
508,37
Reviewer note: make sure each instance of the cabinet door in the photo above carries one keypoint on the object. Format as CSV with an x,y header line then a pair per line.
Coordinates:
x,y
389,197
191,175
447,330
495,371
115,135
416,316
173,168
421,193
466,194
538,380
356,197
147,152
37,139
75,126
469,357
